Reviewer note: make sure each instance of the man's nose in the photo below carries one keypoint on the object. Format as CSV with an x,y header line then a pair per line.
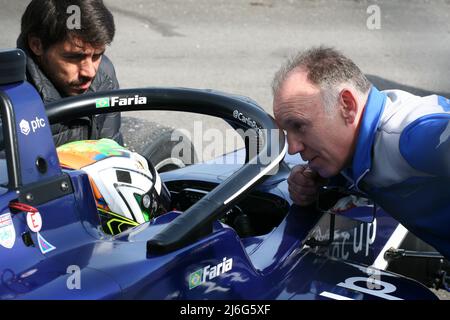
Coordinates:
x,y
295,145
87,69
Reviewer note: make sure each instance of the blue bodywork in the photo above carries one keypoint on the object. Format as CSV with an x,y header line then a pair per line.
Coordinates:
x,y
89,264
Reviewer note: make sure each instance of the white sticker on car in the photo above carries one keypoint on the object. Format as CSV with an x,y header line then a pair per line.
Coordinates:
x,y
372,286
34,221
7,231
44,245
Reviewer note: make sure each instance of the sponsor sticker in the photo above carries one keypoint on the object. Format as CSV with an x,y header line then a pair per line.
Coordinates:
x,y
7,231
102,103
209,272
34,221
44,245
247,120
24,127
120,101
195,278
128,101
33,125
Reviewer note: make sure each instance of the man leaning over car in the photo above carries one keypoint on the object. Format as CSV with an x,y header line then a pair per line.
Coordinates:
x,y
63,61
391,145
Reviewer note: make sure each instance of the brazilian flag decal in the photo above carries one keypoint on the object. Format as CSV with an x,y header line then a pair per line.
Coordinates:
x,y
195,278
102,103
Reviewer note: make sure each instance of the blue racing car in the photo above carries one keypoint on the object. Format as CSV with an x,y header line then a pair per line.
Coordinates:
x,y
94,221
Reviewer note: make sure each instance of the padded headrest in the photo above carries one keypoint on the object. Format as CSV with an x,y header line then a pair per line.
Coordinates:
x,y
12,66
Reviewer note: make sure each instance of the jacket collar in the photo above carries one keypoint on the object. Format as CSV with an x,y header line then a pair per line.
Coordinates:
x,y
362,158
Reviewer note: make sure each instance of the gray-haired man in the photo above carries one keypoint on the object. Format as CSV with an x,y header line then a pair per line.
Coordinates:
x,y
391,145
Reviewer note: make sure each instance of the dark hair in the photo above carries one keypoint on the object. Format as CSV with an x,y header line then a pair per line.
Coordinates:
x,y
326,67
47,20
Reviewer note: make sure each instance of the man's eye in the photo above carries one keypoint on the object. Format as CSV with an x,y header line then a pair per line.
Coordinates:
x,y
74,58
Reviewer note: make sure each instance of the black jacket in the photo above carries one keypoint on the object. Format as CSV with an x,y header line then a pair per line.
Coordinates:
x,y
86,128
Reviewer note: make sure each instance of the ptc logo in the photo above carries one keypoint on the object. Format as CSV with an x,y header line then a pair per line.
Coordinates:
x,y
24,127
35,125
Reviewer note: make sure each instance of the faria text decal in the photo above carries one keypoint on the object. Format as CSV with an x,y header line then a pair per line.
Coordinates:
x,y
120,101
209,272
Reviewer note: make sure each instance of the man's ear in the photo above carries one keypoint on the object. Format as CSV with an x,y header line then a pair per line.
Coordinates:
x,y
35,44
349,106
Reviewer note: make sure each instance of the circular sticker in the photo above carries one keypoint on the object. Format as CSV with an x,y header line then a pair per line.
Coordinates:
x,y
34,221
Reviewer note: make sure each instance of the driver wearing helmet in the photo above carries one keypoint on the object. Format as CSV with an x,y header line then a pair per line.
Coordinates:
x,y
127,189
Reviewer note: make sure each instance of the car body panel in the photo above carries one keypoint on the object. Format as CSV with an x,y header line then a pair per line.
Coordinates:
x,y
86,263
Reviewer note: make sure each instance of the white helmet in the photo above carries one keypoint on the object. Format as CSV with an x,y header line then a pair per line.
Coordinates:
x,y
127,188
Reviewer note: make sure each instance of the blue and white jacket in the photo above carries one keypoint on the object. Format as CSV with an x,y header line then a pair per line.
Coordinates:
x,y
402,161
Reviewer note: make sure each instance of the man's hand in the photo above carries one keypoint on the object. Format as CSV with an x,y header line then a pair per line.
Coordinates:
x,y
304,185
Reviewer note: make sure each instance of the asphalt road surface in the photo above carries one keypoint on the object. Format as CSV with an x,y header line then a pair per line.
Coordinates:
x,y
237,45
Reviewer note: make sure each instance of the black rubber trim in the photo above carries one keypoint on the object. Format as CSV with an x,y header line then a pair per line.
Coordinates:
x,y
42,192
10,141
12,66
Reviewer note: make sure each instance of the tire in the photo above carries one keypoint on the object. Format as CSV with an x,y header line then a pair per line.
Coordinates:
x,y
154,142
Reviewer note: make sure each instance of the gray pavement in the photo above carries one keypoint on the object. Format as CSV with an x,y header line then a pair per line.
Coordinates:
x,y
237,45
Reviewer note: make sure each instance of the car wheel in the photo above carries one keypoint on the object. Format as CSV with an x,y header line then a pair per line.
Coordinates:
x,y
154,142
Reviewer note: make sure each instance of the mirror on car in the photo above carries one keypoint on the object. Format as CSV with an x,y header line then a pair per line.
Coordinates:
x,y
340,201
